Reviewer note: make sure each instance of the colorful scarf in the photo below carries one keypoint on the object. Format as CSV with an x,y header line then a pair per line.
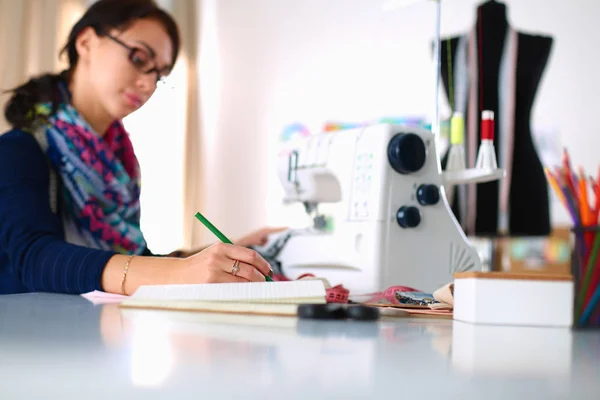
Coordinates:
x,y
100,176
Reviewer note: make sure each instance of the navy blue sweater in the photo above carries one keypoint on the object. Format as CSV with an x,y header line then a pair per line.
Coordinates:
x,y
33,254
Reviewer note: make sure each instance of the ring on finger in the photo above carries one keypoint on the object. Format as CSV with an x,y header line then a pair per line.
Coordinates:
x,y
236,267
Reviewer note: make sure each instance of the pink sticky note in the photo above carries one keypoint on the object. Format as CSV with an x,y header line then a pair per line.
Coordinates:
x,y
98,297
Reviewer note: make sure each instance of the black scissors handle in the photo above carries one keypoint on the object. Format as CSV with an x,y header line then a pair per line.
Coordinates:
x,y
338,311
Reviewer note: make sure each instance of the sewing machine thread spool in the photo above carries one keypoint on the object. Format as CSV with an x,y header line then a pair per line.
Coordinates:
x,y
457,128
487,125
456,156
486,157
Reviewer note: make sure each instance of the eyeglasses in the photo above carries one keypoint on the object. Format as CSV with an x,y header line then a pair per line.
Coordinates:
x,y
142,60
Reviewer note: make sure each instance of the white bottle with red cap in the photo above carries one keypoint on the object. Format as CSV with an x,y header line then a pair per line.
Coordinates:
x,y
486,157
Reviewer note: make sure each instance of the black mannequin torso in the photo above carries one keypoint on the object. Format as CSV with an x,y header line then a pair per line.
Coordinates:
x,y
528,196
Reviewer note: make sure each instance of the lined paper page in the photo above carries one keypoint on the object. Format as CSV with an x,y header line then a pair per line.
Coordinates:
x,y
277,292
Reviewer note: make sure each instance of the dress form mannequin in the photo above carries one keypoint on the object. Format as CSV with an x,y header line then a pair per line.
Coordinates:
x,y
525,191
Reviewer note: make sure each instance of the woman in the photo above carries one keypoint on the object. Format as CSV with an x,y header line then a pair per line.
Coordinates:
x,y
69,179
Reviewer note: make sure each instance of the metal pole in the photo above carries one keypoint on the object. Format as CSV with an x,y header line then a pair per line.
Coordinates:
x,y
435,125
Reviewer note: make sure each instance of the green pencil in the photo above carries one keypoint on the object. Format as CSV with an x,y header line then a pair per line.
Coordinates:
x,y
219,234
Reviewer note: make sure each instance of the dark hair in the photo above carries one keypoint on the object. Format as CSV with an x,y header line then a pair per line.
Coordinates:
x,y
102,16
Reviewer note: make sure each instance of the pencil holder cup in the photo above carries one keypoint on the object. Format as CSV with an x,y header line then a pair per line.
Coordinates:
x,y
585,268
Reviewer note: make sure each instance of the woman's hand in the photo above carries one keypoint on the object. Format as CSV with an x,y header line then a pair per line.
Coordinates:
x,y
258,238
215,265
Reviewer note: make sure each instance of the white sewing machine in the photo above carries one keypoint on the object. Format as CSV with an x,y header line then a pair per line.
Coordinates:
x,y
392,224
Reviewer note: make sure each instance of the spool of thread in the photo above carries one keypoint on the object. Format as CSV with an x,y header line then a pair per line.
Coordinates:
x,y
456,155
486,157
487,125
457,128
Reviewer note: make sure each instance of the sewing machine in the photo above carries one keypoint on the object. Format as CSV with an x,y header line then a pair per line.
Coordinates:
x,y
390,222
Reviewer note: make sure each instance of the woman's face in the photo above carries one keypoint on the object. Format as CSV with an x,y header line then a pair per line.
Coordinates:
x,y
117,75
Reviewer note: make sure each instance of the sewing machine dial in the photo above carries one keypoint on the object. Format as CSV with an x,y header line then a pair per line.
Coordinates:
x,y
408,217
428,195
407,153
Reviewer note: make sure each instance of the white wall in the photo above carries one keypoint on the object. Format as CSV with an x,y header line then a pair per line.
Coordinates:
x,y
267,63
157,131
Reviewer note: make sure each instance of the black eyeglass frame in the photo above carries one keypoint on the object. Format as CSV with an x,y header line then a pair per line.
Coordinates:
x,y
132,50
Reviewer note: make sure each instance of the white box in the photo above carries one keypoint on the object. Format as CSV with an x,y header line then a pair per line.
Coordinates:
x,y
513,299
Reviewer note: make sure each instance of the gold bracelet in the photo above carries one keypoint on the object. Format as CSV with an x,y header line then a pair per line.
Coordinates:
x,y
125,269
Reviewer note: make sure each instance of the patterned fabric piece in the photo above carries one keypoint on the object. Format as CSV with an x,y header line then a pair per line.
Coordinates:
x,y
100,175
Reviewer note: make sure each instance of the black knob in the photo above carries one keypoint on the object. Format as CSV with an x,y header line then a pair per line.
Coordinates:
x,y
428,195
406,153
408,217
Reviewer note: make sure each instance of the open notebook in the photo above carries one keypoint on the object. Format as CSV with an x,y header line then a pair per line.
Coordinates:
x,y
270,298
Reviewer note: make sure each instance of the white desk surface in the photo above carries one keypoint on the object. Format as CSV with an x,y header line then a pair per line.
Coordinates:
x,y
64,347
